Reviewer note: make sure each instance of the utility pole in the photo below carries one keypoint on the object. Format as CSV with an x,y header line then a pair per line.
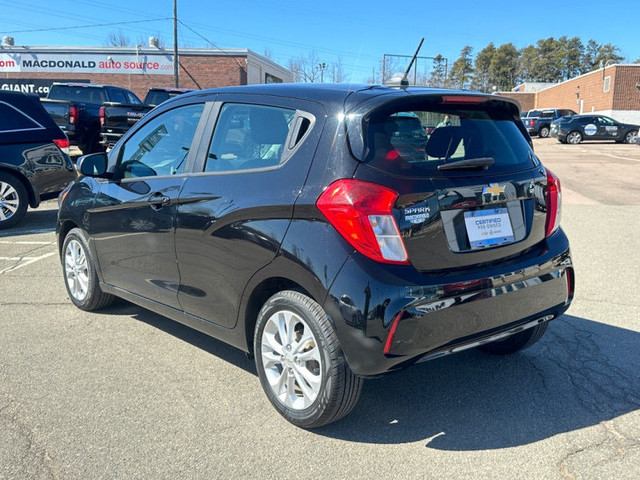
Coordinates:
x,y
321,67
175,43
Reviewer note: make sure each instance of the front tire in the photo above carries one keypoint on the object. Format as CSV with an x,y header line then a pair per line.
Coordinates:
x,y
80,274
516,342
13,200
301,366
631,137
574,137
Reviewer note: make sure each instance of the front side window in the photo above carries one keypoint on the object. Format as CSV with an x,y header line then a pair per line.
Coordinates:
x,y
161,146
248,137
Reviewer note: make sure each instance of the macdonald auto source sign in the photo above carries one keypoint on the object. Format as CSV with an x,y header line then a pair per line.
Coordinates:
x,y
86,63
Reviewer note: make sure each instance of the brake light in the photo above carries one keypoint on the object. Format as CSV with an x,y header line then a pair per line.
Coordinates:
x,y
553,200
101,114
63,144
73,114
362,213
465,99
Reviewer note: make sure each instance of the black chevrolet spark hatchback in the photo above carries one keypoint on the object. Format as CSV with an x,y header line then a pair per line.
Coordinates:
x,y
303,225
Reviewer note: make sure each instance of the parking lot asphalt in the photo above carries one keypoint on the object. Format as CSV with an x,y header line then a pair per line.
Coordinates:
x,y
125,393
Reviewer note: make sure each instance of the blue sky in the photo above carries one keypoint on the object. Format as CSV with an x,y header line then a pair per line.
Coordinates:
x,y
357,32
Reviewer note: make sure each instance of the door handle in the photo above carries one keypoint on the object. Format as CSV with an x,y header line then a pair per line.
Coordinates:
x,y
158,200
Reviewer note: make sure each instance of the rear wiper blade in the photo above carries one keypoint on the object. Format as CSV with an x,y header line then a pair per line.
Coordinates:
x,y
483,162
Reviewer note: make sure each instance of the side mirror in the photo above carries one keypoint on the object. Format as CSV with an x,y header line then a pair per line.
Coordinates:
x,y
93,165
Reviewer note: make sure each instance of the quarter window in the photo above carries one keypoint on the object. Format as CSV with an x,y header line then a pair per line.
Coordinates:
x,y
12,119
248,137
162,145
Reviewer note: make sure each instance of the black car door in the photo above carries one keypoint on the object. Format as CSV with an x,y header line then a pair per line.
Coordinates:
x,y
607,128
133,223
233,215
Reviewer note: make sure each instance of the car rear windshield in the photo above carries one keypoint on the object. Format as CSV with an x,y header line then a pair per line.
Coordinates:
x,y
415,141
77,94
157,97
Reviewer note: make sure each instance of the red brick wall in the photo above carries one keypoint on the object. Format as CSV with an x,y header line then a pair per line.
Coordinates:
x,y
526,100
207,71
622,95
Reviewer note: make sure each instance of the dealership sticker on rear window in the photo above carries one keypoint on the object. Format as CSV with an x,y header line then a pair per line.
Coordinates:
x,y
590,129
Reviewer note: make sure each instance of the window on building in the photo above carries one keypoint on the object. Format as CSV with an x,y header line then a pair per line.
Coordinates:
x,y
607,84
268,78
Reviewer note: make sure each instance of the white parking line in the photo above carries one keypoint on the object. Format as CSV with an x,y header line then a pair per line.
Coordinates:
x,y
27,243
27,262
622,158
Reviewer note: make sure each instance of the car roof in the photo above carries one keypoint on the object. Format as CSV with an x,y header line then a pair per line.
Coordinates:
x,y
339,94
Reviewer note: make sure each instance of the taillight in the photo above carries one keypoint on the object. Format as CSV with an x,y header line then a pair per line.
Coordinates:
x,y
63,144
73,114
362,213
101,116
553,200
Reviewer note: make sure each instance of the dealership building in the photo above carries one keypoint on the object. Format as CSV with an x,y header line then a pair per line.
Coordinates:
x,y
34,69
613,91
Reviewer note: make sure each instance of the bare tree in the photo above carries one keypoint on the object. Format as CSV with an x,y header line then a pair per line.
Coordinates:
x,y
268,53
118,39
337,71
304,69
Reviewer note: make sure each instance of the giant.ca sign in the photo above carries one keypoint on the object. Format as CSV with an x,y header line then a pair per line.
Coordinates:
x,y
86,63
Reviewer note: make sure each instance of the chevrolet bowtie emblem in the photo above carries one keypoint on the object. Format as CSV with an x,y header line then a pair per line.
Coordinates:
x,y
494,189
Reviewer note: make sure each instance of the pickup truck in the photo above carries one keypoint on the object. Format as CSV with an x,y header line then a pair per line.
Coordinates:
x,y
116,119
538,122
76,109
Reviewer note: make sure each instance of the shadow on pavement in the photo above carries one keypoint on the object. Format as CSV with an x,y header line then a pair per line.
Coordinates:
x,y
34,222
580,374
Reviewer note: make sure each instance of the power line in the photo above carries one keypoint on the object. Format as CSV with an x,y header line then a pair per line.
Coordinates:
x,y
87,26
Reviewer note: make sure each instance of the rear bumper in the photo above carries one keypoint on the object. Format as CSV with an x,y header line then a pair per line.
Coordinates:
x,y
374,306
110,139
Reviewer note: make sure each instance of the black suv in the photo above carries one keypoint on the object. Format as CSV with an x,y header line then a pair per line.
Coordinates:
x,y
593,127
283,220
33,165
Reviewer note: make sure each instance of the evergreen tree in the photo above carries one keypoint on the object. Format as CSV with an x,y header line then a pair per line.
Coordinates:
x,y
481,77
461,71
504,66
438,72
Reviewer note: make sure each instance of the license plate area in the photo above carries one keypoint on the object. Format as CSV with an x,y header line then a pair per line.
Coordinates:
x,y
488,227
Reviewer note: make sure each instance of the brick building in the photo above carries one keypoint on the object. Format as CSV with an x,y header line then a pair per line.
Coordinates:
x,y
613,91
33,69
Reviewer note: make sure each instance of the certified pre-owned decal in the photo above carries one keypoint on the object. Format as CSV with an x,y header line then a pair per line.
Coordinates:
x,y
416,214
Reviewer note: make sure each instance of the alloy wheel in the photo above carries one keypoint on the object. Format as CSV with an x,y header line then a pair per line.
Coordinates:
x,y
76,269
9,201
631,137
574,138
291,359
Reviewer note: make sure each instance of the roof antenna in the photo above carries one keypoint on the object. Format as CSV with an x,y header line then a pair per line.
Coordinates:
x,y
405,79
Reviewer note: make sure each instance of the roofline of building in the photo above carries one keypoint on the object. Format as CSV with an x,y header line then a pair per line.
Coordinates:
x,y
142,49
601,69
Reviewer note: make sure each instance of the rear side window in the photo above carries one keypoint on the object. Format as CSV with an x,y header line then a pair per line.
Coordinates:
x,y
248,137
12,119
77,94
405,142
156,98
117,96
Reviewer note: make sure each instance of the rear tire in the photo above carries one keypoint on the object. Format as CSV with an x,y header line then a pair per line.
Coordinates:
x,y
13,200
544,132
300,363
516,342
81,279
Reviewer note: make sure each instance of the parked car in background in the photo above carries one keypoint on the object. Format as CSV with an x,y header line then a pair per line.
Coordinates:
x,y
282,219
540,123
77,109
34,164
592,127
156,95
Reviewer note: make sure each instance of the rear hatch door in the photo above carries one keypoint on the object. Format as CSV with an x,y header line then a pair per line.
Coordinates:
x,y
470,192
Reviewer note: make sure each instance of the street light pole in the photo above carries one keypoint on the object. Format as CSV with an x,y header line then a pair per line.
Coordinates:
x,y
175,43
322,66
